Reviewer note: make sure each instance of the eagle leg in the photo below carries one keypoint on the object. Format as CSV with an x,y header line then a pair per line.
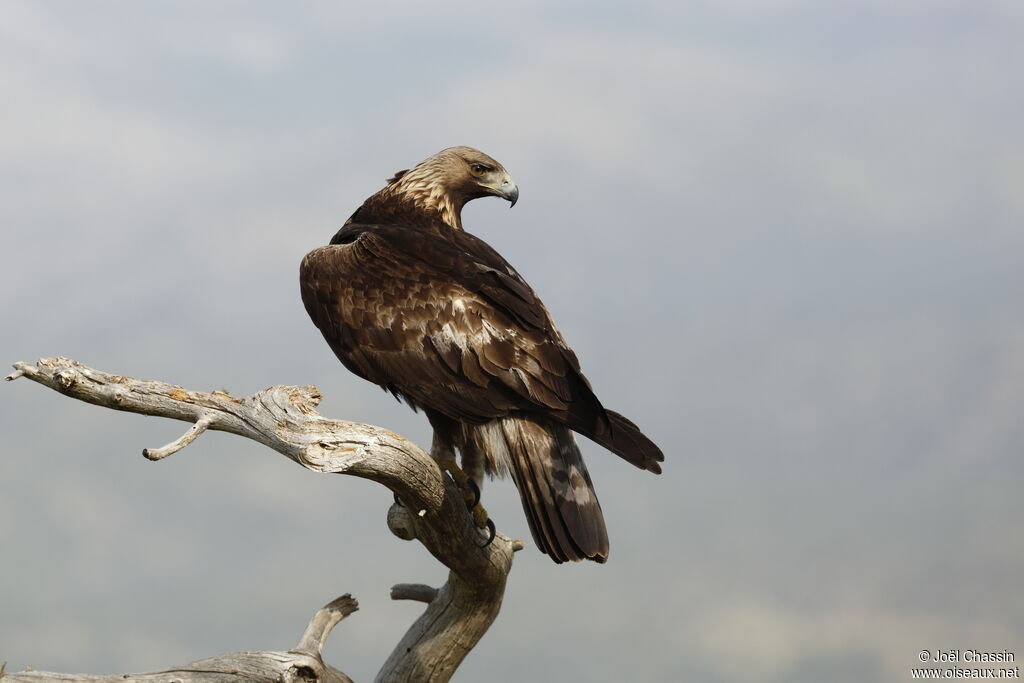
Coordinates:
x,y
445,457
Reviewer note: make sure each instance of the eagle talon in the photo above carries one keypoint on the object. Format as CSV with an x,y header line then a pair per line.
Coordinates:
x,y
474,489
492,531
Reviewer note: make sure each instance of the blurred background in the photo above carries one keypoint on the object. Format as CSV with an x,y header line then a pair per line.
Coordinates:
x,y
784,237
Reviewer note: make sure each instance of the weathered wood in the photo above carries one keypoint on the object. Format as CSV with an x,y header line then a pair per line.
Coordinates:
x,y
301,665
284,418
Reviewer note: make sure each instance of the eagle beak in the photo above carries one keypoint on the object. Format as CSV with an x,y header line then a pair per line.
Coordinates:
x,y
509,191
501,186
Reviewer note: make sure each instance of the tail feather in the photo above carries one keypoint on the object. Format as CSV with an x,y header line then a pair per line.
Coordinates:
x,y
558,496
547,530
609,429
619,435
628,442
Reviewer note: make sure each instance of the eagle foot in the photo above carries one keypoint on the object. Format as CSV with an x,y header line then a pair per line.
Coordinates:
x,y
482,520
470,491
471,495
480,517
473,499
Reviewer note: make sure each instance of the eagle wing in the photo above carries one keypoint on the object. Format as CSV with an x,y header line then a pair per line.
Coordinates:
x,y
445,322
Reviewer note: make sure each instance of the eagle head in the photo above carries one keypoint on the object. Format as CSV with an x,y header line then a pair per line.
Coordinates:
x,y
452,177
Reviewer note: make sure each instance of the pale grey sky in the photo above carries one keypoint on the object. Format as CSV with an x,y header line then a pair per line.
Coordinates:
x,y
784,237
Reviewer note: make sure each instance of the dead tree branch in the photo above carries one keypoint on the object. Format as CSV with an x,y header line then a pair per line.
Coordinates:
x,y
285,419
300,665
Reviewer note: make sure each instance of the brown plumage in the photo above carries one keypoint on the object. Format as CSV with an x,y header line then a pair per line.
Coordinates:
x,y
411,302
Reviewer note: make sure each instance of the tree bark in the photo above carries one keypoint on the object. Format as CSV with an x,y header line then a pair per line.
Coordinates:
x,y
300,665
284,418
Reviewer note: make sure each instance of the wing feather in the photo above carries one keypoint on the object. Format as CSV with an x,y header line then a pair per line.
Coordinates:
x,y
457,330
445,322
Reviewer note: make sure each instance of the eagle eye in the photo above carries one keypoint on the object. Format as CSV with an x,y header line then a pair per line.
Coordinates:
x,y
478,169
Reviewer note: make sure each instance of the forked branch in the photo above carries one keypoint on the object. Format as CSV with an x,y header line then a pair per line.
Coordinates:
x,y
285,418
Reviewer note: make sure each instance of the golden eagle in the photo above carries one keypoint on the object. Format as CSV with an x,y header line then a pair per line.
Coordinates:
x,y
410,301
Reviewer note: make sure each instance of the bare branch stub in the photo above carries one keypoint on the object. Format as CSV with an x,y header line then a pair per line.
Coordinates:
x,y
320,626
285,419
185,439
414,591
18,372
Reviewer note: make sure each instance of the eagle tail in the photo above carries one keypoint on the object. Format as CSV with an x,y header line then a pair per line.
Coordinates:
x,y
619,435
558,497
627,441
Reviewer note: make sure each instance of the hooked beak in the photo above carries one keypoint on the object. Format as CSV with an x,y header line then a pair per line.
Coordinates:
x,y
510,191
503,187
